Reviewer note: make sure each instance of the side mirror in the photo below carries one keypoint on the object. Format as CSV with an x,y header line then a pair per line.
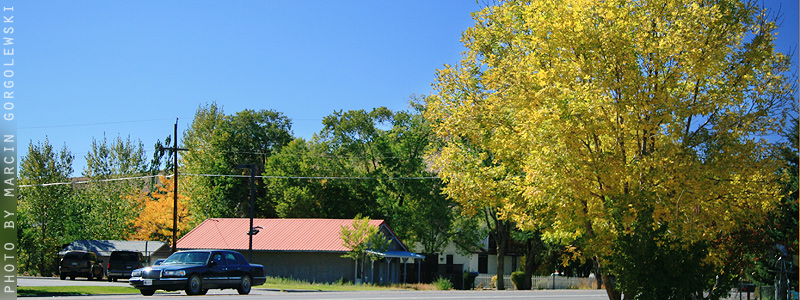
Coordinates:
x,y
212,263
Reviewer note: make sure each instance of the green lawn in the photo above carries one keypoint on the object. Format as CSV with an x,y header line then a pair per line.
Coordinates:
x,y
74,290
285,284
273,283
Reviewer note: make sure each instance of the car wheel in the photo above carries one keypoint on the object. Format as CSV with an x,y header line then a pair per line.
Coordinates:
x,y
109,279
194,286
63,276
203,292
245,285
147,292
72,278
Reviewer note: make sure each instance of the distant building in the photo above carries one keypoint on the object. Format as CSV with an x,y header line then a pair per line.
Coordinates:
x,y
304,249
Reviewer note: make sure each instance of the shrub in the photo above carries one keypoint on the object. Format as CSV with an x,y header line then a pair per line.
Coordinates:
x,y
443,284
518,278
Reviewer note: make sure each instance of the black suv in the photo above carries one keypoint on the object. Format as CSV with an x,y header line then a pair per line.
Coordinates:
x,y
122,263
81,264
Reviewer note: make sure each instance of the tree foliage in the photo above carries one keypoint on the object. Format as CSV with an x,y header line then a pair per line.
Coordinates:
x,y
370,163
108,165
154,222
583,116
48,214
217,143
361,238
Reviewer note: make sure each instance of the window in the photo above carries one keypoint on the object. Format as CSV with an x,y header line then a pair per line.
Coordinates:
x,y
449,267
231,259
218,259
483,263
240,258
77,255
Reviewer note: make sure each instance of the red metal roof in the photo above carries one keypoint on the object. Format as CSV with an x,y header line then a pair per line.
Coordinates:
x,y
277,234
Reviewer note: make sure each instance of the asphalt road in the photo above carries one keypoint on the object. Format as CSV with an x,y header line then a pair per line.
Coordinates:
x,y
364,295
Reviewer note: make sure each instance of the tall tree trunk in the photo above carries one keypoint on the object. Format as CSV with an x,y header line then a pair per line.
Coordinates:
x,y
501,266
43,252
597,274
533,245
610,281
501,231
530,264
611,288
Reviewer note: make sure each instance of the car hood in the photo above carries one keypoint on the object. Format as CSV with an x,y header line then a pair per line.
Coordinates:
x,y
171,267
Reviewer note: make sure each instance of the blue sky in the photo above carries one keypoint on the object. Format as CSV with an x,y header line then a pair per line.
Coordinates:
x,y
130,68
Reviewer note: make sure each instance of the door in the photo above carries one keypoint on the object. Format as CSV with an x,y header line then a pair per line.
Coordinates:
x,y
217,275
235,270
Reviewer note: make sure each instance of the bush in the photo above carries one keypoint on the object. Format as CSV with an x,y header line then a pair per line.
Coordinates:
x,y
469,280
443,284
518,278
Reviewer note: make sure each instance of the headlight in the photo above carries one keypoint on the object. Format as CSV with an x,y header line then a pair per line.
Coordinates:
x,y
175,273
136,273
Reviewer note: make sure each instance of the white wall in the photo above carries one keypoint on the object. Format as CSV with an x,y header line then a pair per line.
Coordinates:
x,y
470,261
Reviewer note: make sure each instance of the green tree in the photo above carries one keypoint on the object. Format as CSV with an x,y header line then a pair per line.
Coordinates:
x,y
592,115
408,192
306,182
782,228
371,163
110,168
47,211
362,237
217,143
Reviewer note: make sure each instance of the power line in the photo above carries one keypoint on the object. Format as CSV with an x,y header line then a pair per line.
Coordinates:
x,y
91,124
233,176
331,156
317,177
91,181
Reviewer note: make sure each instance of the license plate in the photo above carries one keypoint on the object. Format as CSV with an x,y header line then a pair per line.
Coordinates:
x,y
74,264
128,267
147,282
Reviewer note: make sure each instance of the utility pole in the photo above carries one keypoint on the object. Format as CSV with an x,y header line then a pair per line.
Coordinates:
x,y
252,231
174,150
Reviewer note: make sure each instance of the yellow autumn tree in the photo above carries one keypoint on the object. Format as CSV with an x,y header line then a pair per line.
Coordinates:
x,y
591,120
155,219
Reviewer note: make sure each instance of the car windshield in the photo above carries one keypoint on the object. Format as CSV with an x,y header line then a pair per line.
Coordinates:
x,y
187,258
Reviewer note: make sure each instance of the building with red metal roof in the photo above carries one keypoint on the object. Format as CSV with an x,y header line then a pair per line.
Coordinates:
x,y
305,249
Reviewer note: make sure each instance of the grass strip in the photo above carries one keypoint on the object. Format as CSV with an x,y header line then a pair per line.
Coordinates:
x,y
46,291
287,284
273,283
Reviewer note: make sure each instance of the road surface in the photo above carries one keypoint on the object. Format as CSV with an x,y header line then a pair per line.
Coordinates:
x,y
361,295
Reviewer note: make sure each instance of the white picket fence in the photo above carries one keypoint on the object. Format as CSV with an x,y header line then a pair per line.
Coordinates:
x,y
541,282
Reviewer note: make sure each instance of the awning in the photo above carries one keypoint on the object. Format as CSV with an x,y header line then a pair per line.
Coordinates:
x,y
396,254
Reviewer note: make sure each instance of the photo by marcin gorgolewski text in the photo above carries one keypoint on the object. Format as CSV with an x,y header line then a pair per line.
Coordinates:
x,y
8,178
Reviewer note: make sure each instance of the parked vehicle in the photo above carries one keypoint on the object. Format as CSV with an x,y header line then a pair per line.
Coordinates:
x,y
197,271
80,264
122,263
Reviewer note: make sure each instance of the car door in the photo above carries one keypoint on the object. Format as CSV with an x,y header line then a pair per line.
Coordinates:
x,y
235,271
217,275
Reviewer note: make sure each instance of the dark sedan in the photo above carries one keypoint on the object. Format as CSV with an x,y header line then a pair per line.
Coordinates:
x,y
197,271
